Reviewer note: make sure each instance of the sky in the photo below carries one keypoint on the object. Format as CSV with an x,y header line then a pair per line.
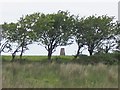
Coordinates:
x,y
12,10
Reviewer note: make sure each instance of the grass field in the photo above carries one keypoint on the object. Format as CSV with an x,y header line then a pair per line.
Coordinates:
x,y
58,75
39,58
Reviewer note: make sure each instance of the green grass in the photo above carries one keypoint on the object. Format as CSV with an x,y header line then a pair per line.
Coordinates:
x,y
37,72
30,58
38,58
54,75
110,58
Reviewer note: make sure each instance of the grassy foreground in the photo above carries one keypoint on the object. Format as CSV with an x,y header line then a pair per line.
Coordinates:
x,y
54,75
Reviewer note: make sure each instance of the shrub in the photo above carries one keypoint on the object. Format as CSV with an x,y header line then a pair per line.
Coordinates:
x,y
109,58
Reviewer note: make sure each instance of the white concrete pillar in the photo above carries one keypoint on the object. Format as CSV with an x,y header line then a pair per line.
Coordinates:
x,y
62,52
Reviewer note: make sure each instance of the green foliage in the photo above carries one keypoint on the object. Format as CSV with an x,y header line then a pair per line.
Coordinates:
x,y
53,30
9,31
117,33
20,33
60,29
92,30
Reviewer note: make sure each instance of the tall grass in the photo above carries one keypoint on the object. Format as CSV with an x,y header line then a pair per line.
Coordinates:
x,y
54,75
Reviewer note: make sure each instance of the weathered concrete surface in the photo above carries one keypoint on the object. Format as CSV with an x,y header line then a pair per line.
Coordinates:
x,y
62,51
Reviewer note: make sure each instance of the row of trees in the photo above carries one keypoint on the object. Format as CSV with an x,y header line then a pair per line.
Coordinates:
x,y
97,33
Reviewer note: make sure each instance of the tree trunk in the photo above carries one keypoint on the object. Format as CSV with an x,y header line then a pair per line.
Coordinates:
x,y
90,52
22,45
13,56
90,49
21,53
106,49
49,55
78,51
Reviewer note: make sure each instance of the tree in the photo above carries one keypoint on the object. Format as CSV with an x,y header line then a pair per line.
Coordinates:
x,y
92,30
54,30
117,33
78,33
108,44
8,34
25,31
20,33
5,46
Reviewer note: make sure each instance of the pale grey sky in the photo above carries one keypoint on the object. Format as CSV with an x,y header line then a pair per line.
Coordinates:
x,y
12,10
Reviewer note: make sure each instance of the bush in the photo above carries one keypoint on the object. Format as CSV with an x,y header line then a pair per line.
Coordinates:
x,y
110,58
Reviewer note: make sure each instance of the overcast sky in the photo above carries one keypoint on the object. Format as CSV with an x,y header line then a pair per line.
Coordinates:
x,y
12,10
